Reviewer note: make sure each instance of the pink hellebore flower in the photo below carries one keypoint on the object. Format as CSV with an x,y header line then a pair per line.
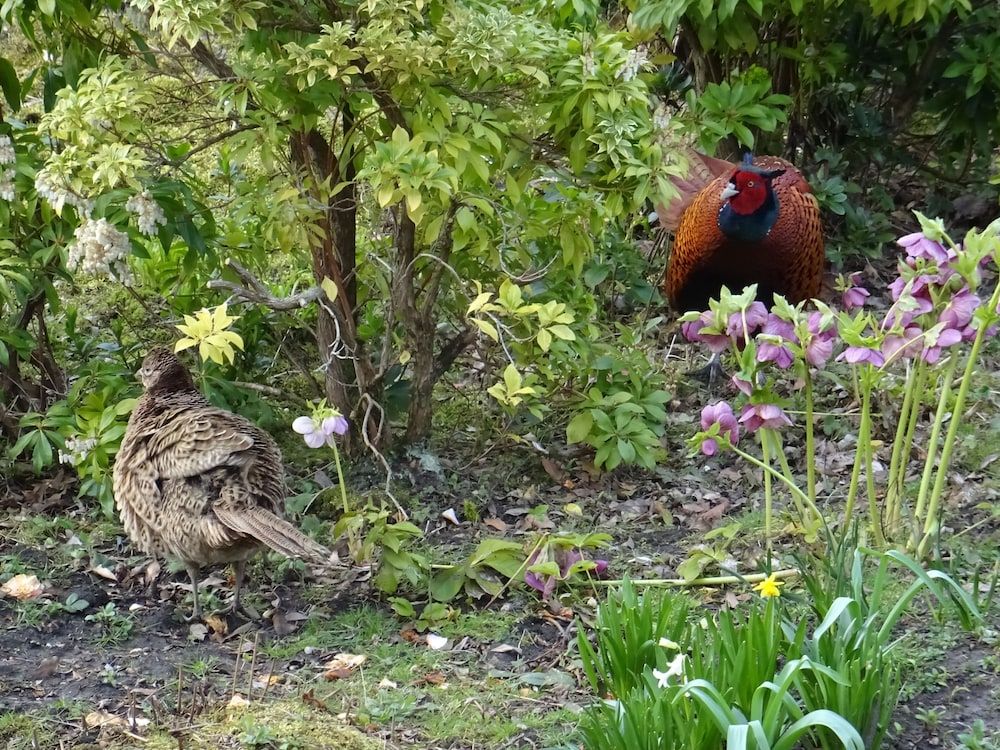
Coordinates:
x,y
960,309
771,416
755,315
907,344
945,338
918,246
819,350
719,413
692,331
768,351
857,355
316,431
855,297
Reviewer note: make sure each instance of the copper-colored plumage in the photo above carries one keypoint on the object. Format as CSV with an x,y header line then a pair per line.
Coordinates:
x,y
788,260
199,483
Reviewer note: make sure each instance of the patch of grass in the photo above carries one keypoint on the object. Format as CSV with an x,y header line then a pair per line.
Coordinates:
x,y
346,631
287,724
23,732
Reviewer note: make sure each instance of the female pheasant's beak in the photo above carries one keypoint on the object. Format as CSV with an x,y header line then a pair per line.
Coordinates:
x,y
729,191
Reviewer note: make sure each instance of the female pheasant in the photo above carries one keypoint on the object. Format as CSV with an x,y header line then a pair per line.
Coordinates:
x,y
736,225
198,483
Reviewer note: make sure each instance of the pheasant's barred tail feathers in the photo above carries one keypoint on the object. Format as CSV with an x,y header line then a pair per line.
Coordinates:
x,y
273,531
788,261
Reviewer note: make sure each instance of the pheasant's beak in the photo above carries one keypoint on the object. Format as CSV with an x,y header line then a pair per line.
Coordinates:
x,y
729,191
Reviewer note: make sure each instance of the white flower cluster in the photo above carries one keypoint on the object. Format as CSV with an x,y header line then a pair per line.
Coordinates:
x,y
78,449
7,184
7,154
147,211
59,195
636,60
100,249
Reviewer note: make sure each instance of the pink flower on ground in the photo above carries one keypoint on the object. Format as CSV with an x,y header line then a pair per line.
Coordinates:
x,y
854,295
936,342
755,315
819,348
692,331
319,431
960,309
719,413
905,345
856,355
918,246
770,416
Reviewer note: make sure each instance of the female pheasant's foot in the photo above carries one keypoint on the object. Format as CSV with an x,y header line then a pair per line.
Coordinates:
x,y
239,567
196,614
711,373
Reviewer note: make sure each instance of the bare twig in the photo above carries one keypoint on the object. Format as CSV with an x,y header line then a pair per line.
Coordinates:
x,y
255,292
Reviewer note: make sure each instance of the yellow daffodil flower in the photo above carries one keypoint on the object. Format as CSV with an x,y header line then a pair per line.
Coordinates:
x,y
770,587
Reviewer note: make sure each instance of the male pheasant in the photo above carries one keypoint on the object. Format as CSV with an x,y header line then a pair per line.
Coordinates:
x,y
735,225
198,483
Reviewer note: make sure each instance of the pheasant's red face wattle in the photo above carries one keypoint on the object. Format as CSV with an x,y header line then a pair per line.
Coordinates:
x,y
751,192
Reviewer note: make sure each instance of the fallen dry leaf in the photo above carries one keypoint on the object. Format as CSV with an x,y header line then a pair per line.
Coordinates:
x,y
23,587
342,665
431,678
103,572
436,642
496,524
103,719
216,624
237,702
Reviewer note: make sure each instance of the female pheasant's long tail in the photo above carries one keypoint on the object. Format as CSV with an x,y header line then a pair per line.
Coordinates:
x,y
275,532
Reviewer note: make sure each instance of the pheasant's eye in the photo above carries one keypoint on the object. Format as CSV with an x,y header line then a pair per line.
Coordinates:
x,y
749,183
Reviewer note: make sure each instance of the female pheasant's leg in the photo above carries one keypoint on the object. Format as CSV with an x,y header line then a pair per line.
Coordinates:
x,y
710,373
196,614
240,568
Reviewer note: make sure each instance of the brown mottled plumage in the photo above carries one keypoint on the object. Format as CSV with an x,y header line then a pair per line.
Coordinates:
x,y
788,259
199,483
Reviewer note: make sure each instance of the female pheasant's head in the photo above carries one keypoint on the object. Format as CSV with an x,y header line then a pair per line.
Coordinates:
x,y
162,371
749,204
750,188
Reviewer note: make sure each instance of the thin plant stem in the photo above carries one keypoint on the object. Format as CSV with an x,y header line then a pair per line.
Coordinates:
x,y
932,443
865,441
770,471
810,439
852,490
340,478
768,499
783,460
902,447
956,420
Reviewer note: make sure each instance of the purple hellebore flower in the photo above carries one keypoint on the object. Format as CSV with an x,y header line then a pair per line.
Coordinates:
x,y
768,351
855,297
907,344
777,326
771,416
742,384
316,433
819,350
862,354
918,246
692,331
944,338
719,413
756,315
960,309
